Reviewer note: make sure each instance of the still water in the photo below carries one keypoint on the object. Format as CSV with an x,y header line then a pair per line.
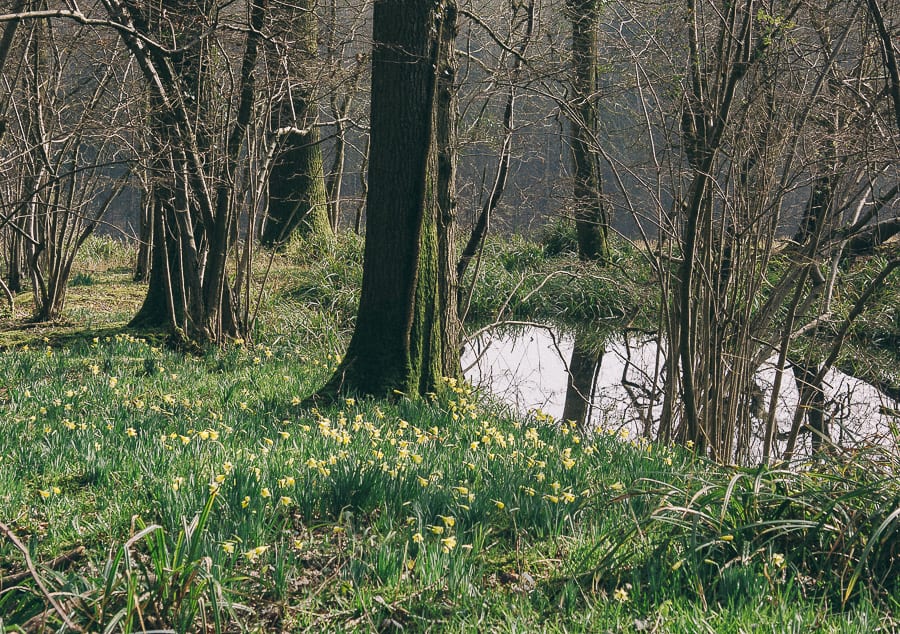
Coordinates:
x,y
528,367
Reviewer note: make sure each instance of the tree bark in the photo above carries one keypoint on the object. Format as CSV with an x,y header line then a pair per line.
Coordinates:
x,y
406,293
812,402
591,221
145,238
297,197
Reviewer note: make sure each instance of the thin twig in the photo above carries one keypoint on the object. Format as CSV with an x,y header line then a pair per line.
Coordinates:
x,y
53,564
32,571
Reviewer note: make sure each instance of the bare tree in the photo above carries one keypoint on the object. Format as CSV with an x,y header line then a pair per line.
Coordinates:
x,y
63,164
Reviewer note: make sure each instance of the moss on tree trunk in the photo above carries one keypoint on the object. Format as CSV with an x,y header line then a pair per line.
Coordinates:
x,y
405,314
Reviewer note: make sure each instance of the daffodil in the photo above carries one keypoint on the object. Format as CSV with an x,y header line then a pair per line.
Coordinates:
x,y
448,543
254,553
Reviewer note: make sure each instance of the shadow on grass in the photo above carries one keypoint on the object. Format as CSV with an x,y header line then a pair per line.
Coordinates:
x,y
60,334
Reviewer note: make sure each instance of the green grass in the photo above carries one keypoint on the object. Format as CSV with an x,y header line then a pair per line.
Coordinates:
x,y
519,280
207,499
439,514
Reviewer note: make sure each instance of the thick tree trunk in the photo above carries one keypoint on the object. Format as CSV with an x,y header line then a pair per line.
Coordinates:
x,y
335,178
15,274
194,175
446,117
297,197
812,399
145,238
591,222
164,305
398,342
816,211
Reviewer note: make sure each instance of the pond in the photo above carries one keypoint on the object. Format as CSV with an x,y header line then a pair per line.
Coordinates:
x,y
528,366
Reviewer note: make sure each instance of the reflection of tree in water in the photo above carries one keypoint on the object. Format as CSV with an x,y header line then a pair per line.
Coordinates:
x,y
811,406
617,381
582,377
646,392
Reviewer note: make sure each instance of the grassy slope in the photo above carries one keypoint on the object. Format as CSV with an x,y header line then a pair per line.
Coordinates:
x,y
442,515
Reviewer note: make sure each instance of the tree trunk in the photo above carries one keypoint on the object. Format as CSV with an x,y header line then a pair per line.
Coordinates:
x,y
812,399
398,342
194,174
165,303
591,220
297,197
145,238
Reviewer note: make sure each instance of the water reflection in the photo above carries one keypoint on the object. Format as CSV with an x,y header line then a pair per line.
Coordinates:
x,y
581,380
619,387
